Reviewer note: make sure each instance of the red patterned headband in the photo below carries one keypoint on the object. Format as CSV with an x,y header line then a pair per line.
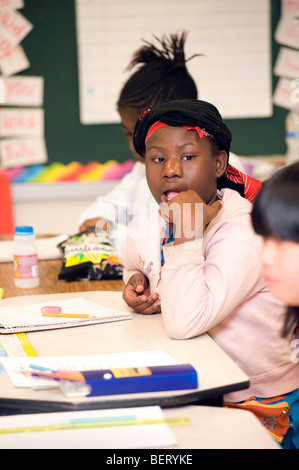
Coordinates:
x,y
233,177
158,125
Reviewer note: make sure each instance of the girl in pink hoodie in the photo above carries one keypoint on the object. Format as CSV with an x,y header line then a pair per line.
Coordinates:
x,y
197,259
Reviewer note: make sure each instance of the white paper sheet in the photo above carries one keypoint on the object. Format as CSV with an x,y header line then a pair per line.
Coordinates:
x,y
286,93
14,27
109,437
11,4
21,122
23,151
14,366
23,90
290,8
13,60
287,31
287,63
234,36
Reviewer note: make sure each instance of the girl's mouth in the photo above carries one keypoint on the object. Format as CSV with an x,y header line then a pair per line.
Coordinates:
x,y
169,195
269,281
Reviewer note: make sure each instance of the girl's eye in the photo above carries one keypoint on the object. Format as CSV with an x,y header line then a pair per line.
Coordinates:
x,y
188,157
158,159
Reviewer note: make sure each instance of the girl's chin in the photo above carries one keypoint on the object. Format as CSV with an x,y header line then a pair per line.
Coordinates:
x,y
280,289
279,293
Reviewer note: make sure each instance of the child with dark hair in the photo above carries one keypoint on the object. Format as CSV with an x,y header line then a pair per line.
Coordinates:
x,y
196,258
160,75
275,216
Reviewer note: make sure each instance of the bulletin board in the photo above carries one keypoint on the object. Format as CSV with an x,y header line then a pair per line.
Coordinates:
x,y
51,48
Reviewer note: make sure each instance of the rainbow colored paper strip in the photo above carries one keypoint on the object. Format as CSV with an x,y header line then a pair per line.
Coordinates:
x,y
59,172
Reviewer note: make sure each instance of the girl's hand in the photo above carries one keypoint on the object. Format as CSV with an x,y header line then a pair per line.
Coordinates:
x,y
97,222
137,295
190,215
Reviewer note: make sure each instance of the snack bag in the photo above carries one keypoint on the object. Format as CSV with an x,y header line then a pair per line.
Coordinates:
x,y
89,255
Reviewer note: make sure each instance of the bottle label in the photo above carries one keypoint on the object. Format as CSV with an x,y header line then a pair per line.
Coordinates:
x,y
25,267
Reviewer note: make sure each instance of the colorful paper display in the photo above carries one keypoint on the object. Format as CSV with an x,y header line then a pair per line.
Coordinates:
x,y
59,172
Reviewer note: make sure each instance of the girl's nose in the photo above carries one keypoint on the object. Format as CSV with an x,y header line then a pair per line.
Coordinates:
x,y
173,168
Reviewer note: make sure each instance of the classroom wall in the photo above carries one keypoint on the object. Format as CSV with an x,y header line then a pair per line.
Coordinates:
x,y
52,51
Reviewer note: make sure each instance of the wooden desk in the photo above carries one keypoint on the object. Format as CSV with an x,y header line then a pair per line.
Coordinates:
x,y
49,283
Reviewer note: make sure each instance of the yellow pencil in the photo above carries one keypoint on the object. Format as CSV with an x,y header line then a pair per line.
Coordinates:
x,y
67,315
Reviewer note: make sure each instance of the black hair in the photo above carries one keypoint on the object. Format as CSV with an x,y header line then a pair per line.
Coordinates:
x,y
162,74
275,213
276,209
184,112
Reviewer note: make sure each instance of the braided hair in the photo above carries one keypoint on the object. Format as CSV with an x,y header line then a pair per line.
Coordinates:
x,y
162,74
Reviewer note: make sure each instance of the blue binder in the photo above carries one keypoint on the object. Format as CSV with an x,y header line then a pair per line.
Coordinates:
x,y
133,380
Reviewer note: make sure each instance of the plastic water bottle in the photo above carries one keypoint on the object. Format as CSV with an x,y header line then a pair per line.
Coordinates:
x,y
292,137
25,258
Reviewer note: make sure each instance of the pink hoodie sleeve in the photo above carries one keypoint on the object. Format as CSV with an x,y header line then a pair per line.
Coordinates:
x,y
199,292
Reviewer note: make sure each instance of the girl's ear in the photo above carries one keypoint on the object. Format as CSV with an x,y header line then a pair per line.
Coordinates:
x,y
221,163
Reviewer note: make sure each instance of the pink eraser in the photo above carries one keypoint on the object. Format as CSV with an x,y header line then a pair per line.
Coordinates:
x,y
51,309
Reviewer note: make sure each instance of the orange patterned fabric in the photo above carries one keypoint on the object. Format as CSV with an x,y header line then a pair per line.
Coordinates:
x,y
271,412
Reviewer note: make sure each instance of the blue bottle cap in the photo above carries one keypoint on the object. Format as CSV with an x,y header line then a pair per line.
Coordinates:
x,y
24,230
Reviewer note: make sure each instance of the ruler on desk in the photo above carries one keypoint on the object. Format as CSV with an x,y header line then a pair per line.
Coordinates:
x,y
90,423
15,345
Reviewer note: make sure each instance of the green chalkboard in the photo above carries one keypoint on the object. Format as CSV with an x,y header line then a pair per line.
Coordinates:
x,y
51,48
